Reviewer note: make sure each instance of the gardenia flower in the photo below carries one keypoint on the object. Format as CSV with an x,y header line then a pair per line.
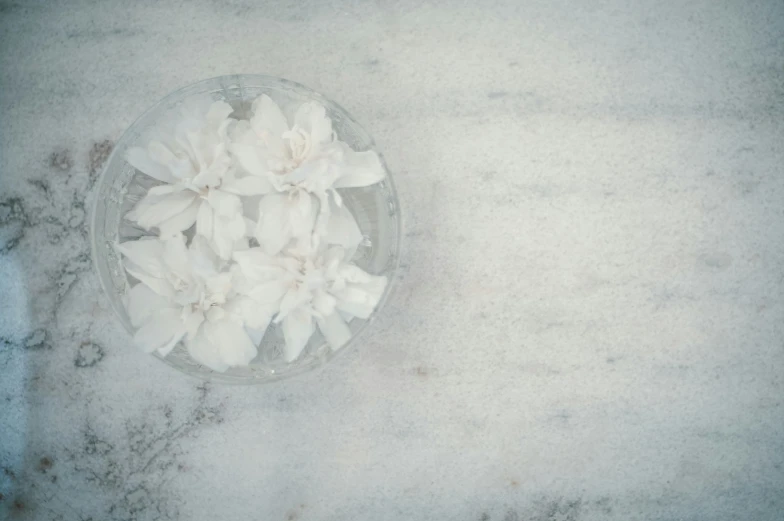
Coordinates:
x,y
308,291
185,294
200,184
298,167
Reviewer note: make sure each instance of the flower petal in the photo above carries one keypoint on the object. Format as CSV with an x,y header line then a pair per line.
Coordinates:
x,y
180,222
312,117
342,228
268,117
146,254
179,167
224,203
251,158
162,331
140,160
359,168
234,346
217,114
204,352
142,302
204,221
165,207
361,299
248,185
297,329
335,330
274,229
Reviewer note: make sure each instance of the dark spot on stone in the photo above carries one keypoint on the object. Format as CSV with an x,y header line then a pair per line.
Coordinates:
x,y
37,340
7,7
716,260
497,94
88,355
514,483
484,517
13,221
53,479
422,372
611,359
8,472
94,445
40,184
372,63
2,497
710,173
511,515
19,505
61,160
513,64
98,156
44,464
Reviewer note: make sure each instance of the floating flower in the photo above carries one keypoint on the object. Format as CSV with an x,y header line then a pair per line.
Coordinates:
x,y
298,167
187,294
200,185
319,289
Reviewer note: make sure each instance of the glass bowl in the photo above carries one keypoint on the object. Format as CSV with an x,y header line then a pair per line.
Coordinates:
x,y
120,186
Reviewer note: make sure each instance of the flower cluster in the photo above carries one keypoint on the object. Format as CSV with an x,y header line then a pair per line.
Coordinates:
x,y
225,185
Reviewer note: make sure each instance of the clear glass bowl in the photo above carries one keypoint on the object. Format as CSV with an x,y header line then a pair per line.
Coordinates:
x,y
375,208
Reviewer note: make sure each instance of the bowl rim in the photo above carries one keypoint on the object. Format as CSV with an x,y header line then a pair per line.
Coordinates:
x,y
216,84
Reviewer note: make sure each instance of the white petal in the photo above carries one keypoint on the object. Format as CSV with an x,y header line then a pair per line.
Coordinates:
x,y
224,203
259,266
268,295
204,352
175,255
297,329
180,167
146,254
180,222
324,303
219,284
158,284
335,330
217,114
227,231
292,301
361,299
234,345
253,315
274,229
256,335
160,331
302,214
267,116
202,258
204,220
342,228
359,168
192,323
165,207
248,185
142,302
251,158
312,117
140,160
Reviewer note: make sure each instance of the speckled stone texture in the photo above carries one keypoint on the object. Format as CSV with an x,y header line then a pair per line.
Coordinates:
x,y
588,324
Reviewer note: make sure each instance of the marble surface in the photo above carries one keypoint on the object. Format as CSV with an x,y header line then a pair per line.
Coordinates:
x,y
589,321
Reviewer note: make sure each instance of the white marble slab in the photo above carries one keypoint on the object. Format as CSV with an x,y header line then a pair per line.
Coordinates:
x,y
589,322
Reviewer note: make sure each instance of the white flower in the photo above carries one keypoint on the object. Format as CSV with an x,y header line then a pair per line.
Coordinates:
x,y
200,186
298,167
185,293
317,289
